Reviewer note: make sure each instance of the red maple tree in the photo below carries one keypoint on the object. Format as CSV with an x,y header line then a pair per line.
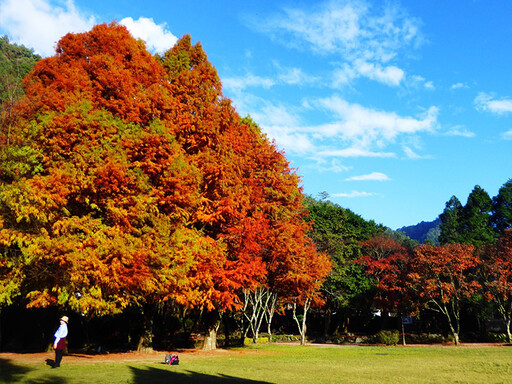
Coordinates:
x,y
498,277
443,277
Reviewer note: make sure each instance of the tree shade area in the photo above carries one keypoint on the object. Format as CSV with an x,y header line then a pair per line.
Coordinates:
x,y
136,200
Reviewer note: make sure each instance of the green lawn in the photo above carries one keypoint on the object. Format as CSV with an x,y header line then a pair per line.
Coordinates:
x,y
290,364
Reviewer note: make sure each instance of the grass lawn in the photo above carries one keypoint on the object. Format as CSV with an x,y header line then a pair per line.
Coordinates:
x,y
276,363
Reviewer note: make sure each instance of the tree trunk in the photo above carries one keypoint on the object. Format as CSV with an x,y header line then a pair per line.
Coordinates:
x,y
403,330
146,337
327,323
509,334
255,307
270,310
210,338
302,324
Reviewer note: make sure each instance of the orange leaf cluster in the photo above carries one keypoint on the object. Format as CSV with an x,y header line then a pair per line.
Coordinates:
x,y
141,183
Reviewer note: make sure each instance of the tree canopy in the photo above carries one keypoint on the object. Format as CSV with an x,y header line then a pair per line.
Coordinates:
x,y
130,179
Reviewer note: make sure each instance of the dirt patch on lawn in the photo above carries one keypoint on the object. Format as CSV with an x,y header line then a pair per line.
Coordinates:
x,y
83,358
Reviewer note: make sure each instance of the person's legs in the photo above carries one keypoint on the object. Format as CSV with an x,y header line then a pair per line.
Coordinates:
x,y
58,357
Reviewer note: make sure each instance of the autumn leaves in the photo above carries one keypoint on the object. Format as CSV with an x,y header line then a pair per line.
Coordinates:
x,y
132,180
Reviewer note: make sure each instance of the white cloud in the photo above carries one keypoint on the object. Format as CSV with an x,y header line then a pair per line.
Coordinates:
x,y
507,135
352,28
295,76
459,86
364,38
354,130
459,130
157,37
330,166
237,84
353,194
429,85
389,75
288,76
419,82
374,176
353,152
487,102
40,24
281,124
366,127
409,153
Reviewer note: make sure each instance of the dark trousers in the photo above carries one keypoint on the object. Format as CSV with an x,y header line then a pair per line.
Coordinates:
x,y
58,357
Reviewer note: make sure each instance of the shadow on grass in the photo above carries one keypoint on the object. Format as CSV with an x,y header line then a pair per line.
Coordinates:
x,y
11,373
164,375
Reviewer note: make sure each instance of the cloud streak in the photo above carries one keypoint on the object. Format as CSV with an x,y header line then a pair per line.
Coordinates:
x,y
488,103
364,38
353,194
367,128
374,176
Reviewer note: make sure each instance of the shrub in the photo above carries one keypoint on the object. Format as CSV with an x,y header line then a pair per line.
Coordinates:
x,y
285,338
424,338
388,337
261,340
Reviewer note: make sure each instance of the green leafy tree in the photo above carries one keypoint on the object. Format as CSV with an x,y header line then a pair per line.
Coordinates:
x,y
16,61
475,222
338,232
502,208
450,221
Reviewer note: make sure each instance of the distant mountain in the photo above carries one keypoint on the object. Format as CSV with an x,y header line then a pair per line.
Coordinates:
x,y
426,230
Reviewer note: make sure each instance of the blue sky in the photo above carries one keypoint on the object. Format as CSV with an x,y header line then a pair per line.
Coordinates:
x,y
389,107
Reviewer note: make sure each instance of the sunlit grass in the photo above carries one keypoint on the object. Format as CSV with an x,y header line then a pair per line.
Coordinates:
x,y
290,364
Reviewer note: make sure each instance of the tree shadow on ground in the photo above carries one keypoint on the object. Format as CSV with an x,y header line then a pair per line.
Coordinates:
x,y
11,373
164,375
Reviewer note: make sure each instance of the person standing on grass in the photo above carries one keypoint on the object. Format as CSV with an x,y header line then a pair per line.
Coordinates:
x,y
60,340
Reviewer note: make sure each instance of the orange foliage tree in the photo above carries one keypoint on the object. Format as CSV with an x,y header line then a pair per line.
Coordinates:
x,y
388,263
96,193
130,179
250,196
443,277
498,277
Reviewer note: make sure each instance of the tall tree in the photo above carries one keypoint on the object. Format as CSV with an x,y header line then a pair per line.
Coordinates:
x,y
92,178
338,232
96,193
443,277
475,221
450,222
250,196
502,208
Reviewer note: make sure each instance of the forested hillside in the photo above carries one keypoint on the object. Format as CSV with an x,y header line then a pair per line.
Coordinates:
x,y
426,231
15,63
